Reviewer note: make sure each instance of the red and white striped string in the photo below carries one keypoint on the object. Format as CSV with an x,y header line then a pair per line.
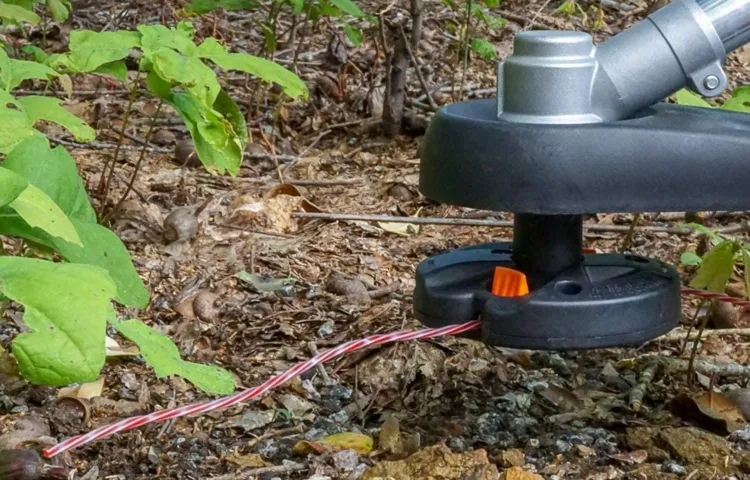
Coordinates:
x,y
254,392
249,394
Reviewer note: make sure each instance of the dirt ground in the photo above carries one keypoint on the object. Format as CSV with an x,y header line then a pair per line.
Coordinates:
x,y
441,409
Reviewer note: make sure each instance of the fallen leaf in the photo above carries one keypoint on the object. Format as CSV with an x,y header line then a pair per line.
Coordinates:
x,y
389,438
403,229
563,399
86,391
360,443
115,350
252,460
631,458
262,283
518,473
713,411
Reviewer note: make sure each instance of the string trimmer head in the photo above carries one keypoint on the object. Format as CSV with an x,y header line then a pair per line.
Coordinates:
x,y
578,129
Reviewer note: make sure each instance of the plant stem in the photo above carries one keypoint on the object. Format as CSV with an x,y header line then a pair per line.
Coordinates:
x,y
467,34
106,178
694,352
631,233
692,325
137,165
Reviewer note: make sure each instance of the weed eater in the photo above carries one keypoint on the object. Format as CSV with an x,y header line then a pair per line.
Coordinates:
x,y
578,129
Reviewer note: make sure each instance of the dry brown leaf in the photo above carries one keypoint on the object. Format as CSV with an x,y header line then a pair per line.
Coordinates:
x,y
251,460
712,411
359,442
114,349
389,438
631,458
518,473
86,391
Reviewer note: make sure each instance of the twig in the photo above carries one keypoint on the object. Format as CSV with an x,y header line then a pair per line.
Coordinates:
x,y
520,18
679,336
704,367
631,232
276,433
468,222
636,394
417,69
694,351
326,183
467,35
321,369
106,146
383,291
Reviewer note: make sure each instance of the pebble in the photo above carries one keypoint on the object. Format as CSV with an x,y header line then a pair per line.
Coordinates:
x,y
535,385
488,426
358,471
268,448
332,405
456,444
676,468
326,329
341,393
296,405
559,365
345,460
741,435
314,434
563,446
310,389
340,417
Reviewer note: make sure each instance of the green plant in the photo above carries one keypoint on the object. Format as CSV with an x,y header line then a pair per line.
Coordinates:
x,y
481,12
739,100
67,295
716,266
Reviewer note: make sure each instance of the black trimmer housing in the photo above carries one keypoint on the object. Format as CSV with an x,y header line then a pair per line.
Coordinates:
x,y
578,129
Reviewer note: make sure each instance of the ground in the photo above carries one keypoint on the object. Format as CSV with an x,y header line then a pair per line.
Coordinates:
x,y
447,408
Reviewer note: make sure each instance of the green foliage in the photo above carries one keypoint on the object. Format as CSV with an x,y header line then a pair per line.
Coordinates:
x,y
177,72
199,7
59,10
164,357
17,13
483,48
716,266
739,101
66,307
44,202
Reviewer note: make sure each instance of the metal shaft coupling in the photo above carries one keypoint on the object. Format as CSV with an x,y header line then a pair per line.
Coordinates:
x,y
562,78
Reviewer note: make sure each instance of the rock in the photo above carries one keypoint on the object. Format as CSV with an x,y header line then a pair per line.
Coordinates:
x,y
164,137
696,447
250,420
341,393
646,438
297,406
517,473
488,426
345,460
326,329
511,458
673,467
401,193
438,463
350,287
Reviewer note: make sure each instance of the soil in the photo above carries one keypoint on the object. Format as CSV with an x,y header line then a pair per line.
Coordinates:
x,y
450,408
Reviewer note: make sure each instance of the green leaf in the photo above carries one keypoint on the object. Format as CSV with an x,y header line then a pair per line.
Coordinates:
x,y
90,50
17,13
199,7
14,128
20,70
492,3
690,259
686,97
297,6
264,69
40,211
53,171
716,268
158,86
116,69
36,53
218,146
715,237
48,108
483,48
101,248
164,357
740,100
59,9
11,186
746,262
349,7
227,107
354,35
66,307
157,37
188,72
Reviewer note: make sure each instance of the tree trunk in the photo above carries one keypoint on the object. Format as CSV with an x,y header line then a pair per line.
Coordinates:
x,y
393,106
416,26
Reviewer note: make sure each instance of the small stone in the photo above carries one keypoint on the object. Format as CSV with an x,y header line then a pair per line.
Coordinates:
x,y
358,471
562,446
332,405
297,406
345,460
697,446
517,473
326,329
340,417
268,448
310,389
585,451
319,477
487,427
536,385
559,365
512,458
314,434
341,392
673,467
513,401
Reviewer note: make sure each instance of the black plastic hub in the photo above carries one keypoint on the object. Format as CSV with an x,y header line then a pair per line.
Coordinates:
x,y
602,301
